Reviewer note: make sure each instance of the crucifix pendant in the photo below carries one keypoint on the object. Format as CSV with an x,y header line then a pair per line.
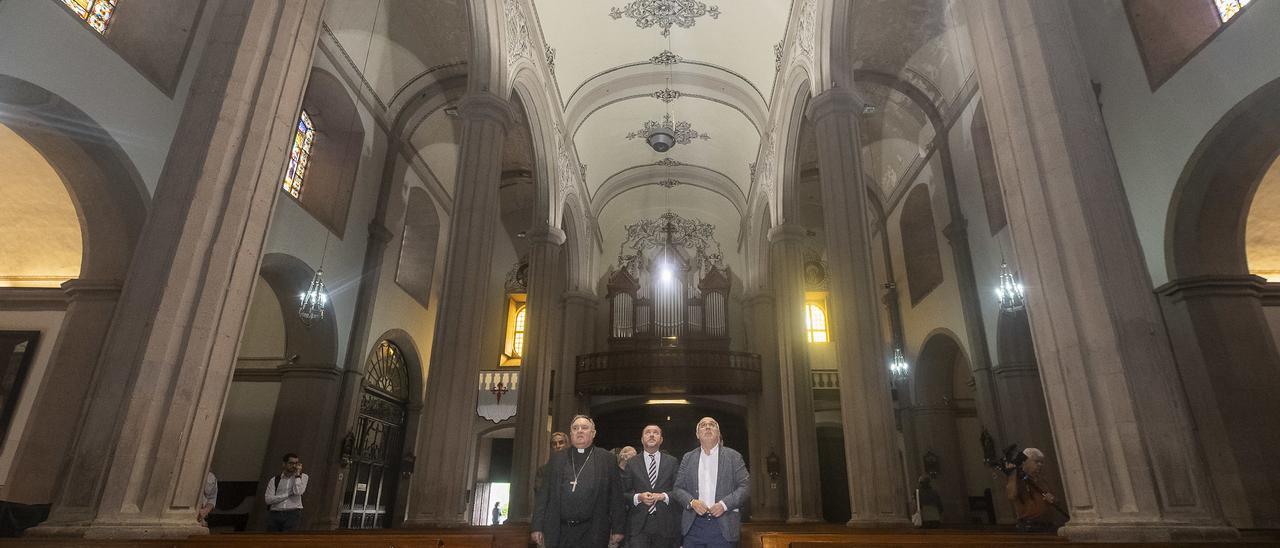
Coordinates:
x,y
573,486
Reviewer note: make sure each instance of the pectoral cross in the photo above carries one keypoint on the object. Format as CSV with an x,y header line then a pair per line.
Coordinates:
x,y
573,486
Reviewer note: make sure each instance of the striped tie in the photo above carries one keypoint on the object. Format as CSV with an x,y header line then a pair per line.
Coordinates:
x,y
653,477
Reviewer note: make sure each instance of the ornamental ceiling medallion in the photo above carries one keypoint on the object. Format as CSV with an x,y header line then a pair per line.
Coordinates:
x,y
666,95
668,183
665,13
666,58
682,131
668,162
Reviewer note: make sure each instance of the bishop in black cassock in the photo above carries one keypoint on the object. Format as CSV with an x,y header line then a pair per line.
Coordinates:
x,y
581,505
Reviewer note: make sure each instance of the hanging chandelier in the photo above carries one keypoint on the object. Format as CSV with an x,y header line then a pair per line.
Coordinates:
x,y
898,366
1009,290
314,300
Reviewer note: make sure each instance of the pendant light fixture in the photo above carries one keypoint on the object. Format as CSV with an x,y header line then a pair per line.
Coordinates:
x,y
898,366
1009,290
316,297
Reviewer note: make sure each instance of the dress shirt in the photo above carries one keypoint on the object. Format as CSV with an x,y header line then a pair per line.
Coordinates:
x,y
708,470
286,493
656,458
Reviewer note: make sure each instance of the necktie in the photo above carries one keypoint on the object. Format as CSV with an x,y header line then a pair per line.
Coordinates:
x,y
653,477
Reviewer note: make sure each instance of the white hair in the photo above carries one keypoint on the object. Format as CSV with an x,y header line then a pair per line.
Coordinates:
x,y
1033,453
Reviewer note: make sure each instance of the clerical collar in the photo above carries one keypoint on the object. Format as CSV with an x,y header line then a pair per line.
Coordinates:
x,y
581,450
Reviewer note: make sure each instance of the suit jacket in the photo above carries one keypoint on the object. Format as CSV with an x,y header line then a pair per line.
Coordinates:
x,y
635,479
607,513
733,488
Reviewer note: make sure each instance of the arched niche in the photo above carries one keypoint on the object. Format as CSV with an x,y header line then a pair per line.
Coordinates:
x,y
419,245
920,253
335,156
937,410
42,244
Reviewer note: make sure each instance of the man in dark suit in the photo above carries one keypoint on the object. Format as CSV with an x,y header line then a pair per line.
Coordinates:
x,y
648,481
583,506
711,486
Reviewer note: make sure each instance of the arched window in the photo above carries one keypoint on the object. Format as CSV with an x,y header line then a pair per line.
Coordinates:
x,y
1169,34
517,327
1229,8
95,12
815,322
418,245
920,244
299,155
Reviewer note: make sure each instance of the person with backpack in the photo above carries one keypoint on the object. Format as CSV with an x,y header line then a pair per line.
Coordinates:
x,y
284,495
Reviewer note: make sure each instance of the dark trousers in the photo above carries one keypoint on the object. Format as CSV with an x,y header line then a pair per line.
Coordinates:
x,y
650,540
283,521
706,533
580,535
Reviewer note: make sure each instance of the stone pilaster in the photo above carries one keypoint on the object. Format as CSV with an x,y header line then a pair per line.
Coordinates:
x,y
441,489
147,431
576,338
933,426
1227,358
542,352
90,305
1133,470
876,493
764,410
1017,386
309,396
799,431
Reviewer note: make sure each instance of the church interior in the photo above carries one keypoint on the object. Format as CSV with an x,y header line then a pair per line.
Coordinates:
x,y
408,240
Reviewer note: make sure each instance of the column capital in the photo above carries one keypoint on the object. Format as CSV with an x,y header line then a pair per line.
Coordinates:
x,y
92,290
486,106
956,231
835,101
1236,285
579,297
546,234
378,233
789,232
757,297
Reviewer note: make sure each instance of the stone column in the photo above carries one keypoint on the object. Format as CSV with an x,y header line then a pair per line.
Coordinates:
x,y
764,410
799,430
1119,410
876,493
147,431
1227,357
1017,386
576,338
533,406
39,460
309,395
441,491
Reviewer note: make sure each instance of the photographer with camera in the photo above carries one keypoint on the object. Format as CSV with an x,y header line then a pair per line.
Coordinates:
x,y
1032,501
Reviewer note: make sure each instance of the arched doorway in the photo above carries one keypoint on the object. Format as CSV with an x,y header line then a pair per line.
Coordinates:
x,y
944,428
1216,308
374,446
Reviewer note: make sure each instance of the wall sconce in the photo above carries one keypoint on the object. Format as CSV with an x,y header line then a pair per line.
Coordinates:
x,y
773,465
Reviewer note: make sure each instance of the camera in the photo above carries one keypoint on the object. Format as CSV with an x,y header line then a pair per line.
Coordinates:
x,y
1000,462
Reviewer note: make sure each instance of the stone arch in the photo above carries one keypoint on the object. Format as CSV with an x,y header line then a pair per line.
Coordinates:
x,y
787,172
529,90
419,246
335,157
921,256
936,447
109,195
1214,308
577,247
316,345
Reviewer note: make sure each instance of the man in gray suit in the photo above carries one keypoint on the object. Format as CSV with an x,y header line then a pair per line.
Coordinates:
x,y
711,486
648,480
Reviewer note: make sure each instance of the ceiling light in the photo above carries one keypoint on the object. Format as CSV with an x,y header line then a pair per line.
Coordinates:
x,y
661,140
667,402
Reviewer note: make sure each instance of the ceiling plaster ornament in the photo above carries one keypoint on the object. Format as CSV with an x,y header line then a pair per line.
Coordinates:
x,y
668,162
765,169
666,58
675,231
518,277
808,26
751,167
666,95
551,59
682,132
517,32
777,57
668,183
664,13
564,169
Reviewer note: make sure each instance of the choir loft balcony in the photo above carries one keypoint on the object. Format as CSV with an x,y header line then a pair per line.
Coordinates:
x,y
668,371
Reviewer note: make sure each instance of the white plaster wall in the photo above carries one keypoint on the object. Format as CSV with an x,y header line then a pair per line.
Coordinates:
x,y
48,323
246,425
941,308
1154,133
264,327
45,44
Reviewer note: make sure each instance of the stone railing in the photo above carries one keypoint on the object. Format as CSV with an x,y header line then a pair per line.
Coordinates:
x,y
657,371
826,380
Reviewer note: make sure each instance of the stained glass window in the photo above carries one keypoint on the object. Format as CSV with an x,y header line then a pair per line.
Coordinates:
x,y
815,322
1229,8
517,338
95,12
299,155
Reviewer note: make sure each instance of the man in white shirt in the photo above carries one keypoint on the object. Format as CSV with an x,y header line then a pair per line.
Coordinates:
x,y
711,486
284,495
208,498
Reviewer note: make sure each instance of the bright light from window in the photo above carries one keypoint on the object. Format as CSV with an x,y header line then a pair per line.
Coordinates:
x,y
815,323
665,273
95,12
1229,8
517,343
